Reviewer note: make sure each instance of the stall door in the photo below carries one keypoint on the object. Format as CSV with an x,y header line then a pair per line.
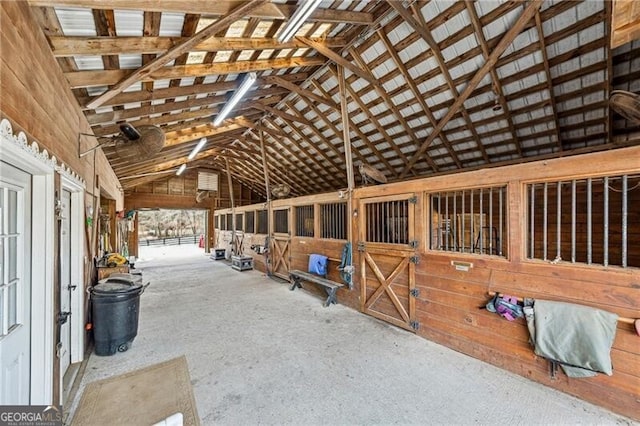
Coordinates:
x,y
15,286
281,244
238,243
387,250
65,284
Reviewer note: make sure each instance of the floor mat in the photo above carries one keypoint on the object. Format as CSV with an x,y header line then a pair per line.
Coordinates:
x,y
141,397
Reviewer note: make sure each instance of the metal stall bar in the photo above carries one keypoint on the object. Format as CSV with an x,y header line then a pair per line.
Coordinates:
x,y
605,249
625,184
573,221
589,225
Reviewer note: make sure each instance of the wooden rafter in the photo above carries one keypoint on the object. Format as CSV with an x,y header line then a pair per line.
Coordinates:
x,y
106,77
303,93
416,21
396,111
355,128
529,11
416,93
176,51
335,57
497,85
215,8
63,46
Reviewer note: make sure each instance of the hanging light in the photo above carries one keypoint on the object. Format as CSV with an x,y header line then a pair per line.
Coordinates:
x,y
197,148
244,87
297,19
181,169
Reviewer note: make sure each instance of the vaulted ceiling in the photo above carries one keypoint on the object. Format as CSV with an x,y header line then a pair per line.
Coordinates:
x,y
429,86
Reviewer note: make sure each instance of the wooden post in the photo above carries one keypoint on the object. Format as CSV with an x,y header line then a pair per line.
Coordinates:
x,y
233,208
345,129
57,188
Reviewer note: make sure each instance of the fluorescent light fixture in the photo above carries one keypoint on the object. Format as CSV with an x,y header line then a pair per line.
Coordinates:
x,y
181,169
244,87
197,148
301,14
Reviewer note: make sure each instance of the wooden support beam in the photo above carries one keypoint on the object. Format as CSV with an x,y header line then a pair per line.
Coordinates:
x,y
64,46
304,93
528,13
335,57
176,51
175,92
345,130
78,79
265,166
281,114
215,8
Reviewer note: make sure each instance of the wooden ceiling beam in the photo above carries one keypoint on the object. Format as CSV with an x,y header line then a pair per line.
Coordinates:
x,y
215,8
303,93
63,46
175,92
209,101
529,10
96,78
281,114
173,53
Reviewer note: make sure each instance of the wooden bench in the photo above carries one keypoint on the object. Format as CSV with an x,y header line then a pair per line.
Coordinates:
x,y
331,287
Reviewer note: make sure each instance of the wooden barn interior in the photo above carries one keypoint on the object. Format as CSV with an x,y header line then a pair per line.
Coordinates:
x,y
461,148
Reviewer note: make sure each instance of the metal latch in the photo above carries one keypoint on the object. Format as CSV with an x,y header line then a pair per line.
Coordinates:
x,y
415,292
414,259
63,317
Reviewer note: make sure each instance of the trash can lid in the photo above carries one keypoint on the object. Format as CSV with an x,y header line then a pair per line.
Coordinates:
x,y
116,286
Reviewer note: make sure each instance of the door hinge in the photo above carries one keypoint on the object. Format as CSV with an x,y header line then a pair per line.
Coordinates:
x,y
415,292
413,244
413,200
361,246
414,324
414,259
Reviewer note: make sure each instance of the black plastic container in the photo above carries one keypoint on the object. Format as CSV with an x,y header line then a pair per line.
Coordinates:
x,y
116,305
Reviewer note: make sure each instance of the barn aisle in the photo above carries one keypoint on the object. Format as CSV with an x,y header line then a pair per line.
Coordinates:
x,y
260,354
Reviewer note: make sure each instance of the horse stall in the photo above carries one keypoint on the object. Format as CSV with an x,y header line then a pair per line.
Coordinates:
x,y
431,252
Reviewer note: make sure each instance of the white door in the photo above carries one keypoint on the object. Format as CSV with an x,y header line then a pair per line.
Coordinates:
x,y
15,285
65,283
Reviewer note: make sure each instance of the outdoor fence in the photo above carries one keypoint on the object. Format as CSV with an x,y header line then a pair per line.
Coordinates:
x,y
170,241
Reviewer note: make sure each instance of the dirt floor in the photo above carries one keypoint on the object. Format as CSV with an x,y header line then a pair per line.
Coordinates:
x,y
260,354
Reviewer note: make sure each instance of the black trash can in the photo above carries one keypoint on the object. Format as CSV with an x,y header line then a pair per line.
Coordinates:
x,y
116,304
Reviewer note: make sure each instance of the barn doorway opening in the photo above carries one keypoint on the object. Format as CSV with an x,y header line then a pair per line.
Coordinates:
x,y
170,233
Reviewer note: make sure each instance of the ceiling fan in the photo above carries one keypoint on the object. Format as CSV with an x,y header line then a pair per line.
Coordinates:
x,y
627,104
132,142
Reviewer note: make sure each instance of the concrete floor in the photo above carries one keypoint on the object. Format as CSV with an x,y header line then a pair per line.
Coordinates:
x,y
260,354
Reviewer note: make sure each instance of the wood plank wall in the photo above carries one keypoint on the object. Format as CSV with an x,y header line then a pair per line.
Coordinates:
x,y
36,99
447,307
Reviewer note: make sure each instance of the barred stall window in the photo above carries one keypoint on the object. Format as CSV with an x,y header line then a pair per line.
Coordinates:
x,y
387,222
223,222
250,222
589,221
470,221
229,222
333,221
239,222
216,221
281,221
304,221
263,222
